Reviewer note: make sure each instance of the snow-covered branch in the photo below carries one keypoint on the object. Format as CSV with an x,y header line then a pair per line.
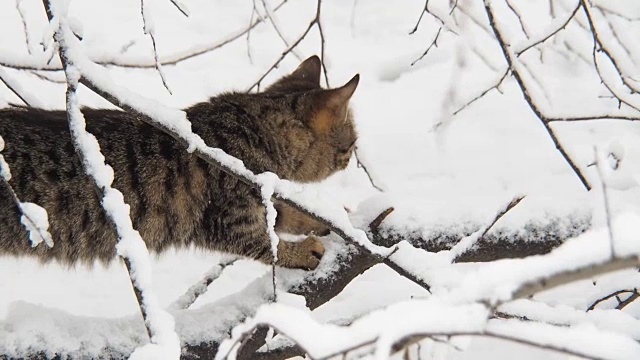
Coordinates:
x,y
33,217
160,324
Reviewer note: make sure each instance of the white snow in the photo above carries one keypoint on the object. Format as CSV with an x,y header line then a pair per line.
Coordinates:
x,y
36,221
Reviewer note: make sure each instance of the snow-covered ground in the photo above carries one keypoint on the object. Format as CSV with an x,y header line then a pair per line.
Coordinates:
x,y
439,171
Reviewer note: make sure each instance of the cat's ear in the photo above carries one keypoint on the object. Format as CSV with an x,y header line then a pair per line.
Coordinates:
x,y
308,71
330,107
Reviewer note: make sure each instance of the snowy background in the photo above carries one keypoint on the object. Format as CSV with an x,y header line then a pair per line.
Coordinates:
x,y
441,172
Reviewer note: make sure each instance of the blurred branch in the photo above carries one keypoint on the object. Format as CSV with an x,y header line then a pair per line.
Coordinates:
x,y
199,288
569,276
25,29
366,171
484,92
314,22
4,78
173,59
276,26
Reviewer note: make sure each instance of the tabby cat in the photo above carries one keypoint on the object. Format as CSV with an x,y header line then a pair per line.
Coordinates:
x,y
294,129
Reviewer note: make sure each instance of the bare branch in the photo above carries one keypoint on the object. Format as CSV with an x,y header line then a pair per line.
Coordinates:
x,y
433,43
149,30
366,171
483,93
542,38
511,59
605,198
180,7
424,10
599,47
622,304
322,44
613,295
518,15
289,49
23,18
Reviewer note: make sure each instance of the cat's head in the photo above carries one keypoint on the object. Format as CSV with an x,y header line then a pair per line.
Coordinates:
x,y
328,119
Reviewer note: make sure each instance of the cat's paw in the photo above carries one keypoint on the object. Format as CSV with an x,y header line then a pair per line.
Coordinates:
x,y
304,255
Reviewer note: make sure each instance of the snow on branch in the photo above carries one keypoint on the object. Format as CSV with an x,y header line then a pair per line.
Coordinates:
x,y
160,324
43,62
389,330
34,217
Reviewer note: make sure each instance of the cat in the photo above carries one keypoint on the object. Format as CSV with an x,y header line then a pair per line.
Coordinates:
x,y
294,128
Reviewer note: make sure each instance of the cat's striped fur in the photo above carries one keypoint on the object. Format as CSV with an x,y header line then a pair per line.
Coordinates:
x,y
295,129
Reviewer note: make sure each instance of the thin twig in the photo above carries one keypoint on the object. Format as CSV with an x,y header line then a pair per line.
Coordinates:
x,y
25,30
550,34
612,295
276,26
323,60
167,60
622,304
516,12
599,47
483,93
180,7
289,49
433,43
605,199
151,33
464,245
424,10
375,224
366,171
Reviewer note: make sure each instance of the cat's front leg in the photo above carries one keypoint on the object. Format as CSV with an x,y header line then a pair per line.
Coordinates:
x,y
304,254
292,221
